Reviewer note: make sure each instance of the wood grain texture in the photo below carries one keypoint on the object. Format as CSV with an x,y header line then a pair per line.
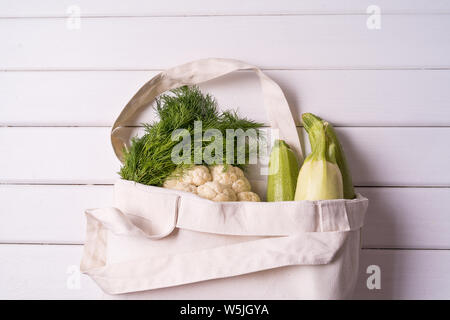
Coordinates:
x,y
406,274
42,272
343,97
58,155
267,41
48,213
377,156
15,8
407,218
396,218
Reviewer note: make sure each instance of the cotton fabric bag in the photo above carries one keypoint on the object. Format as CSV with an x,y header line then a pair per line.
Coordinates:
x,y
156,243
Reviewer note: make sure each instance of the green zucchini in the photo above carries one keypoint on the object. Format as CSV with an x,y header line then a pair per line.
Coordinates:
x,y
283,173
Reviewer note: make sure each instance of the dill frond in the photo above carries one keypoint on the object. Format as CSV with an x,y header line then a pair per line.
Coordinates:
x,y
148,160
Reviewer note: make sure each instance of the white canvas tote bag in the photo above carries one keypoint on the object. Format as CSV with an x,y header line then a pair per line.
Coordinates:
x,y
156,243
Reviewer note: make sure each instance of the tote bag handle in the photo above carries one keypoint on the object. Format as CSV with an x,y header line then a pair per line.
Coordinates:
x,y
196,72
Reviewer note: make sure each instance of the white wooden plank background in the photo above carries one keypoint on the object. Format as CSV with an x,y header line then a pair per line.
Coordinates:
x,y
386,90
345,97
406,274
303,41
43,272
377,156
47,272
58,8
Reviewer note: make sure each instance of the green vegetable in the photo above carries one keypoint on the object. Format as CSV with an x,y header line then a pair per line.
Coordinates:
x,y
319,177
283,172
349,192
148,160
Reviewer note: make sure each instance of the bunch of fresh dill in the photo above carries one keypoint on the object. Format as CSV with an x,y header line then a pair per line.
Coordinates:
x,y
148,160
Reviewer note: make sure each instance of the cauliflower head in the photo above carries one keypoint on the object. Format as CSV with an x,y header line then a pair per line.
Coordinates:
x,y
213,183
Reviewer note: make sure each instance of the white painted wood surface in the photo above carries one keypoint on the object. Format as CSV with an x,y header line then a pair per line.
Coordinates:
x,y
406,274
377,156
345,97
58,8
301,41
407,218
386,90
33,211
44,272
49,272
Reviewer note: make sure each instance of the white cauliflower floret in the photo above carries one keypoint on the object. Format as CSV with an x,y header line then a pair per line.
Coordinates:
x,y
216,191
226,176
189,180
179,185
248,196
197,175
241,185
232,176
